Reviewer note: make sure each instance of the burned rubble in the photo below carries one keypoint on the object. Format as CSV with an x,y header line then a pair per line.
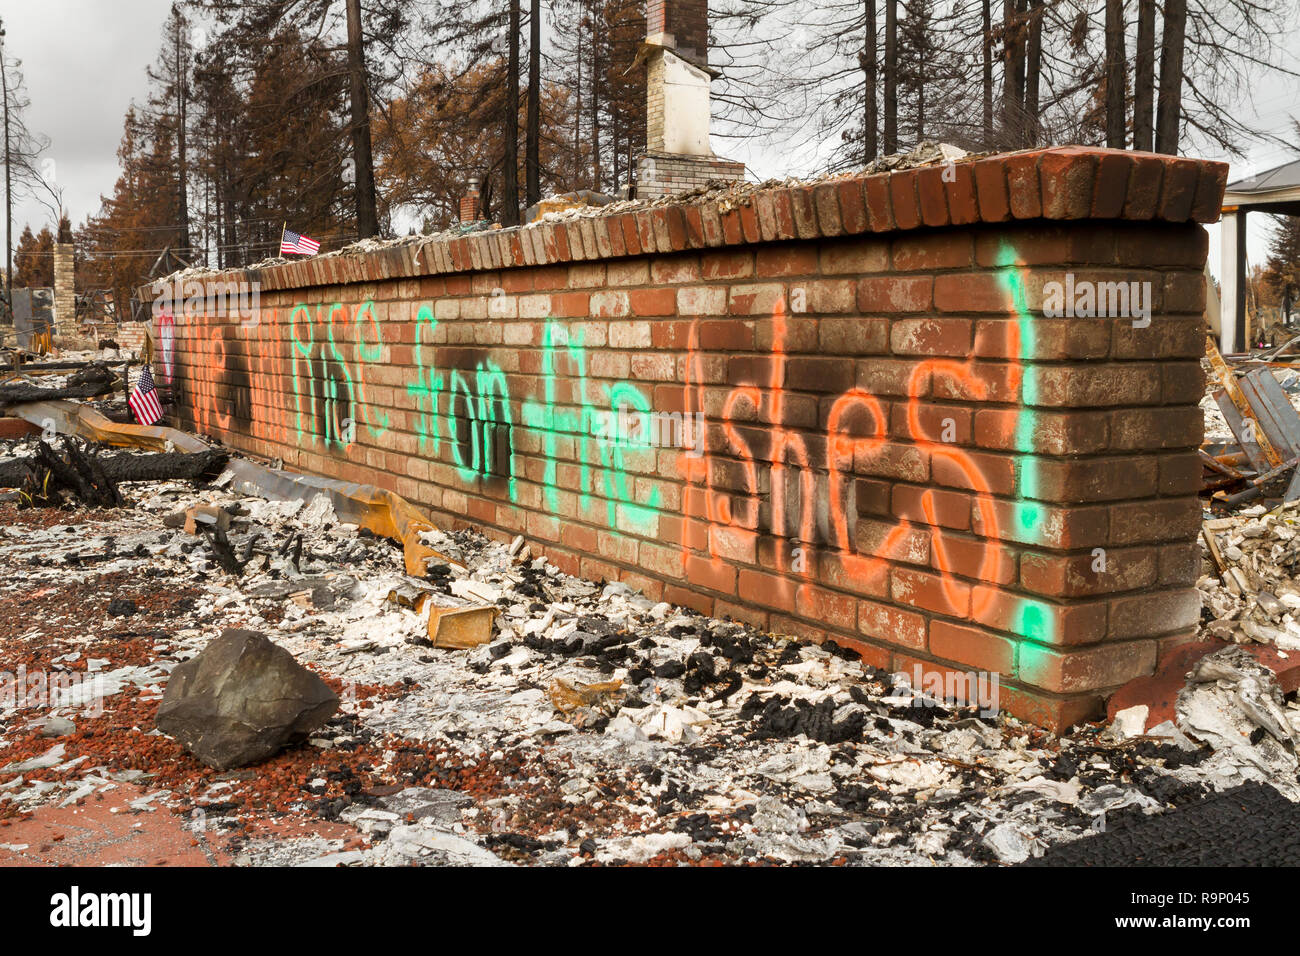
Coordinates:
x,y
593,727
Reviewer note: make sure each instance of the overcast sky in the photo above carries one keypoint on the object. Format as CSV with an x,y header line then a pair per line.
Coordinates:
x,y
83,63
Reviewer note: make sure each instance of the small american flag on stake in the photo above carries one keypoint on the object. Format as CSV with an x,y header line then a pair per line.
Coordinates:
x,y
295,244
144,399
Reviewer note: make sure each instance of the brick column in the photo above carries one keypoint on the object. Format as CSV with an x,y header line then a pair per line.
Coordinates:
x,y
65,304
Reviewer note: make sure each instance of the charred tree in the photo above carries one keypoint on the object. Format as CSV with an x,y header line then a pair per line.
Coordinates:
x,y
1169,110
125,466
510,177
1033,72
532,151
891,77
1115,74
870,66
987,21
367,214
1144,77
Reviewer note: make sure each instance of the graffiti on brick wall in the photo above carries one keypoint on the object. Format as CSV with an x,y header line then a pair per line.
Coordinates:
x,y
210,371
165,323
756,474
808,480
1030,618
797,487
470,406
329,382
579,426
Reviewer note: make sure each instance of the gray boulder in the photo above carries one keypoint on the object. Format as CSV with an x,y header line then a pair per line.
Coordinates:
x,y
241,700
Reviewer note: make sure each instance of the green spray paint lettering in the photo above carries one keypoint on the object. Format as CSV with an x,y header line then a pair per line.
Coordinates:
x,y
302,351
1031,618
621,396
491,381
342,394
587,426
427,384
334,435
367,353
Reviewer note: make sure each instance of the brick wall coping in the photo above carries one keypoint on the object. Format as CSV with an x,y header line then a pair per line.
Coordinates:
x,y
1060,183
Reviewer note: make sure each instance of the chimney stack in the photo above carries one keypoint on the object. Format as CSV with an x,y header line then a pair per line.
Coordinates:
x,y
676,55
680,24
469,208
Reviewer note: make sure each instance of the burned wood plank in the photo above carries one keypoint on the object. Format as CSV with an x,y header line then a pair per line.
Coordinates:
x,y
1223,468
1239,414
1258,485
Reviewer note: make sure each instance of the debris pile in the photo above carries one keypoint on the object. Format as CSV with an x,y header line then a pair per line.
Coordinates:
x,y
593,726
1232,702
1249,588
1247,401
318,685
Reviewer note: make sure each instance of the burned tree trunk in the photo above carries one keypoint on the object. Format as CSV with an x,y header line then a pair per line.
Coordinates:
x,y
532,154
124,467
1013,73
1115,74
89,382
510,178
1144,77
1033,72
869,68
1169,109
987,21
359,106
103,489
891,77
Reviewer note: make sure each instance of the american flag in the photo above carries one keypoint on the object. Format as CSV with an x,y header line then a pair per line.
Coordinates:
x,y
144,399
292,242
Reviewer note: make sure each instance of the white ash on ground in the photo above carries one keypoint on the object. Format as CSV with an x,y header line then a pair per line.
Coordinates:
x,y
1256,597
1232,702
598,727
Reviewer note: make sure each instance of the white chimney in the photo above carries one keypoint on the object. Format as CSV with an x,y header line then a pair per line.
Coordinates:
x,y
676,55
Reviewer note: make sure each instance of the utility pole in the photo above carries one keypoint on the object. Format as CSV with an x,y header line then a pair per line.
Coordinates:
x,y
9,192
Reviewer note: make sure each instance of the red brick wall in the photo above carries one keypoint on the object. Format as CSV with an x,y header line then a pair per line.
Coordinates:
x,y
902,451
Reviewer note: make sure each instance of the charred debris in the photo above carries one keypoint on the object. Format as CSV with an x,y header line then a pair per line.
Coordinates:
x,y
491,709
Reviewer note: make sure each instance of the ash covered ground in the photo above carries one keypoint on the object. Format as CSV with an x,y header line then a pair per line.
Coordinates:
x,y
598,728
